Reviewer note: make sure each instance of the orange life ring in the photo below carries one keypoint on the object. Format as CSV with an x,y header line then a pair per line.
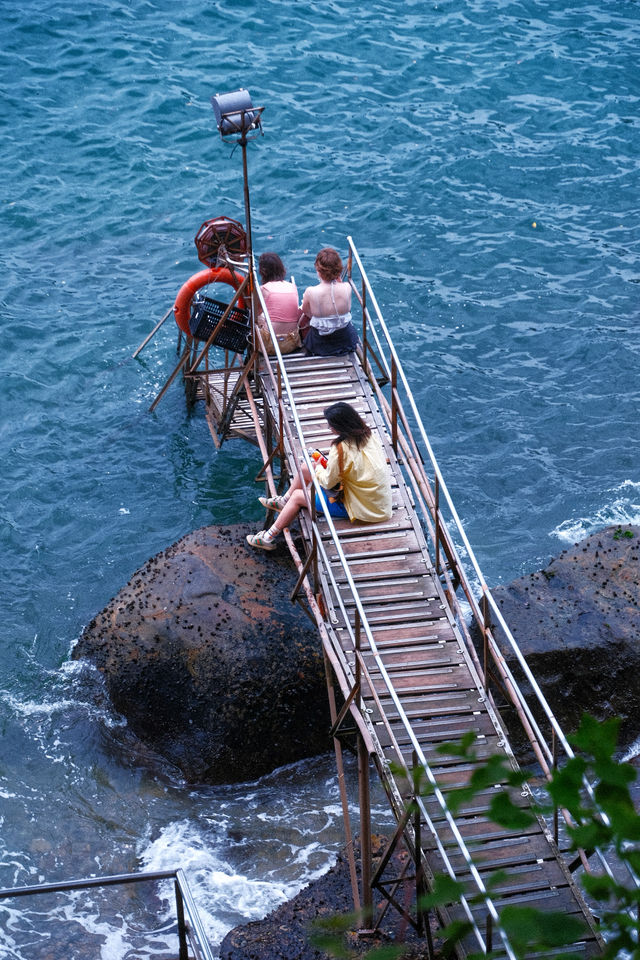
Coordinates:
x,y
182,306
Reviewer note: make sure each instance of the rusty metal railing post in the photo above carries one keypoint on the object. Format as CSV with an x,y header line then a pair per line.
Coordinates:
x,y
422,921
314,547
364,325
486,622
556,819
364,799
344,800
437,523
394,405
280,415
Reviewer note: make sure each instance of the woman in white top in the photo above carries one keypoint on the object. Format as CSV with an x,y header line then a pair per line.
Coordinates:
x,y
328,307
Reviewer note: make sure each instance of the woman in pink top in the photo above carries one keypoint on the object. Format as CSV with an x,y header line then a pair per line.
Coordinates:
x,y
280,295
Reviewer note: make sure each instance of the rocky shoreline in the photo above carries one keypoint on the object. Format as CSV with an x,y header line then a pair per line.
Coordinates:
x,y
288,932
217,671
577,623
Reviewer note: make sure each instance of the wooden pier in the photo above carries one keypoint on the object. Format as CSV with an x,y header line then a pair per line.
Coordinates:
x,y
395,609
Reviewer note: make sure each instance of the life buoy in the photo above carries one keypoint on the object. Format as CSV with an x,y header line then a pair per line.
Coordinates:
x,y
182,306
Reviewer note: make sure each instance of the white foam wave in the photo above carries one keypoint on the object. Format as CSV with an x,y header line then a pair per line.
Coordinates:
x,y
223,896
69,674
632,751
34,708
113,938
623,509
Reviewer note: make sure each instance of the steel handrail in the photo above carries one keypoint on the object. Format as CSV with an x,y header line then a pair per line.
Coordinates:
x,y
484,589
389,685
184,898
437,473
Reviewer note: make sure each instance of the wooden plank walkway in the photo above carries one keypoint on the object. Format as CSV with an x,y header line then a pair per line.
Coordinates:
x,y
435,681
420,684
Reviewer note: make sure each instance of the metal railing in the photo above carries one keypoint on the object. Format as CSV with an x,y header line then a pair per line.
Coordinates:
x,y
434,501
410,442
359,673
190,931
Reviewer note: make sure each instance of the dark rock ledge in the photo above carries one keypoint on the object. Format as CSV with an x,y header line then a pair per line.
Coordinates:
x,y
285,933
210,662
577,622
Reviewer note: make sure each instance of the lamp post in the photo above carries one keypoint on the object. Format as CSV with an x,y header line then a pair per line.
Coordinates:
x,y
238,121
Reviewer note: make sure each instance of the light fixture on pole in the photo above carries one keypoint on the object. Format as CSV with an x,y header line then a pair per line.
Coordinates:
x,y
238,121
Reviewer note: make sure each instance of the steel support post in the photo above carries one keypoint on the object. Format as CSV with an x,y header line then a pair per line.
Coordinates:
x,y
182,930
364,799
344,800
365,832
437,523
486,621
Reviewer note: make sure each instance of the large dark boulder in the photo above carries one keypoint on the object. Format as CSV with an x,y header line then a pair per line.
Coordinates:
x,y
577,623
210,662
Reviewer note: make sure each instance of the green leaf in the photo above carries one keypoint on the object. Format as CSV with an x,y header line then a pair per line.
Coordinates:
x,y
528,928
456,798
494,880
445,890
599,887
617,774
566,785
456,931
632,857
589,835
460,748
599,738
503,810
327,934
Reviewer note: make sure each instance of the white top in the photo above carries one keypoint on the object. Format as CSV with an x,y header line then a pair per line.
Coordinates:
x,y
328,305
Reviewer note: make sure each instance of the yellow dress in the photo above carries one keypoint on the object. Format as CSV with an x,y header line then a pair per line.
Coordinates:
x,y
365,477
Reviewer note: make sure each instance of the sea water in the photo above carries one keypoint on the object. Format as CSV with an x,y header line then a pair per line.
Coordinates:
x,y
483,154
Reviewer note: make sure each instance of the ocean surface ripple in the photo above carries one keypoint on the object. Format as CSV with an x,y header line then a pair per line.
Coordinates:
x,y
484,156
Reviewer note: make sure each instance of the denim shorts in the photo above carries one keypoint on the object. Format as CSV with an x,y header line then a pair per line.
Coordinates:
x,y
336,507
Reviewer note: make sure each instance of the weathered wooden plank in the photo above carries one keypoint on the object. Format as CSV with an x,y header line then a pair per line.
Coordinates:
x,y
409,634
372,567
485,748
480,829
425,657
450,678
479,806
392,591
505,852
440,703
379,612
452,728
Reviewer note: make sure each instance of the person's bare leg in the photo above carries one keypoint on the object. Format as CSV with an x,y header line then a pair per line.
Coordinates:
x,y
294,502
289,512
296,483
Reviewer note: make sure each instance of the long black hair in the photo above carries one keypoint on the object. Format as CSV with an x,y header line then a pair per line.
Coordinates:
x,y
350,426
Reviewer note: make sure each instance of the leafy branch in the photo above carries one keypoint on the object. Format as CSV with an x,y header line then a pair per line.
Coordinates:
x,y
602,818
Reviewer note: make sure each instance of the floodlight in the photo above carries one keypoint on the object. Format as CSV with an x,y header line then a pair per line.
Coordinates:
x,y
236,117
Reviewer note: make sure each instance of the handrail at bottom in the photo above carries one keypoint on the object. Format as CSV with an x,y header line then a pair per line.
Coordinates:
x,y
195,928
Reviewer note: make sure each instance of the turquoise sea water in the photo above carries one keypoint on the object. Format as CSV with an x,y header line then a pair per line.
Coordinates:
x,y
483,154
